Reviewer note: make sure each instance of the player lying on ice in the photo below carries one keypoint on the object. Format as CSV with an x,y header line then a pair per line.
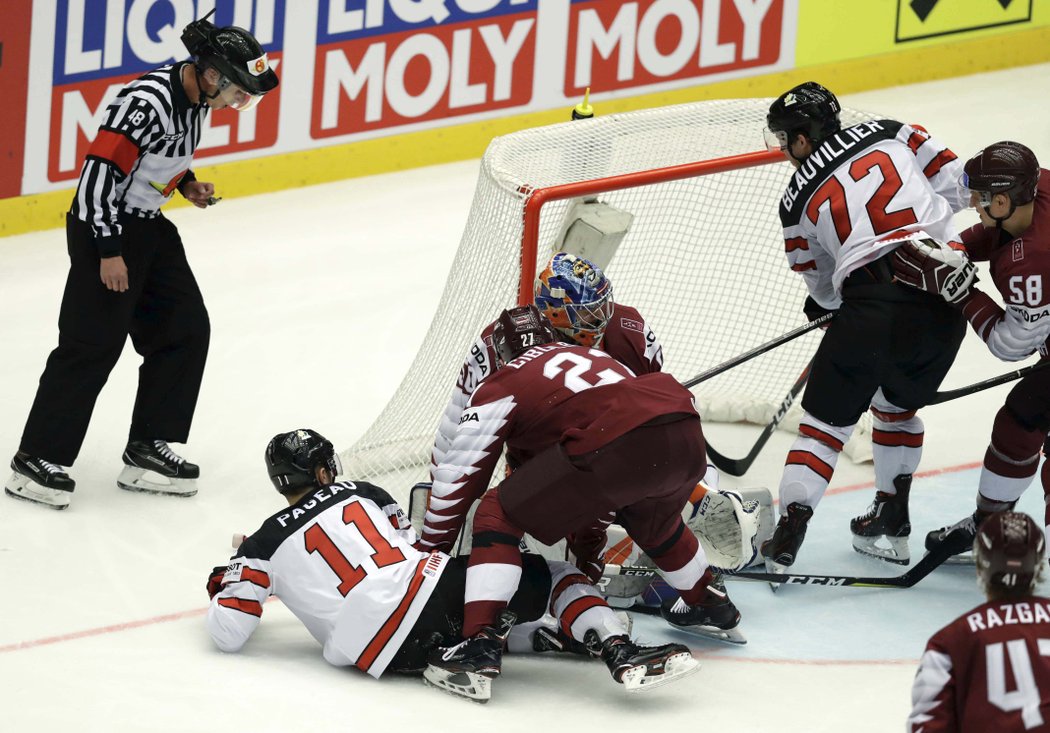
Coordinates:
x,y
342,557
592,443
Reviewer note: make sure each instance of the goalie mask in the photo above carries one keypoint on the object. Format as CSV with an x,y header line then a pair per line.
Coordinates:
x,y
518,330
245,74
292,460
1008,550
576,297
809,109
1005,167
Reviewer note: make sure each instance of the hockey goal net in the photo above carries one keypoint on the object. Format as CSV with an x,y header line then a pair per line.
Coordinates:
x,y
702,260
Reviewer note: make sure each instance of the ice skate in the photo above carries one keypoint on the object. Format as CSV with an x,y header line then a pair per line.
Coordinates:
x,y
146,461
715,617
468,668
553,639
641,668
780,550
959,537
39,481
886,519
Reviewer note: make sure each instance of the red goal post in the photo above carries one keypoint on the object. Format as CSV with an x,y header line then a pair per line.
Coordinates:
x,y
699,253
538,198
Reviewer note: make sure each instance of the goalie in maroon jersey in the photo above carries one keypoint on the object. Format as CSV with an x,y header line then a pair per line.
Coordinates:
x,y
342,557
592,443
576,296
989,669
856,194
1012,196
577,299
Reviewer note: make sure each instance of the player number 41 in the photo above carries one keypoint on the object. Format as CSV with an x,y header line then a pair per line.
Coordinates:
x,y
1025,697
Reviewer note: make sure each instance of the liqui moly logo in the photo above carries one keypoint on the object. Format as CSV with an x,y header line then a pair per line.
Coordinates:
x,y
386,63
100,45
615,44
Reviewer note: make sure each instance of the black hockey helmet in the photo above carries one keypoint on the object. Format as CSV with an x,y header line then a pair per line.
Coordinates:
x,y
233,52
809,109
293,458
1008,550
519,329
1004,167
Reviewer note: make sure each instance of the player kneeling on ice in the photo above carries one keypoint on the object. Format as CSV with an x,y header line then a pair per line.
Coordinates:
x,y
591,441
342,557
988,669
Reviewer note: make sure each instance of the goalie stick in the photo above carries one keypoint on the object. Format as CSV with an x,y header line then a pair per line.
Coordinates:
x,y
930,561
739,466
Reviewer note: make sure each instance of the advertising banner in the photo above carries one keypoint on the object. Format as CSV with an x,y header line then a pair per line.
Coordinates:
x,y
360,69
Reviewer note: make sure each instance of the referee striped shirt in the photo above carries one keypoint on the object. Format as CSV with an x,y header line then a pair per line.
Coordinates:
x,y
142,152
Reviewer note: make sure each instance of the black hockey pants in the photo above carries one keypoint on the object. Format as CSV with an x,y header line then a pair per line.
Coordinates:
x,y
884,335
164,314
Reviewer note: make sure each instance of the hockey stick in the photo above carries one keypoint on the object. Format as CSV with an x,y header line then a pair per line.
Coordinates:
x,y
739,466
988,383
759,350
931,560
625,581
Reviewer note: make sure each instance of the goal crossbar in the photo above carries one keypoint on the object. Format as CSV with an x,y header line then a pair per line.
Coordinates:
x,y
541,196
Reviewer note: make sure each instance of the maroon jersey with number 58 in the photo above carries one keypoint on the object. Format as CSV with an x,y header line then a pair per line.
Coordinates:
x,y
575,396
1020,268
989,670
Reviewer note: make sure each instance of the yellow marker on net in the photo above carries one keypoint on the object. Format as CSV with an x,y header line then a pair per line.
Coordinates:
x,y
584,110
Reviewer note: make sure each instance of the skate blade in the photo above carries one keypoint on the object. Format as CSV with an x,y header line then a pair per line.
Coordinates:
x,y
467,685
640,679
897,552
24,488
133,478
728,636
776,568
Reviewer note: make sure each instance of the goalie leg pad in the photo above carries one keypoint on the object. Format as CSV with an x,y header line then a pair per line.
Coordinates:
x,y
730,526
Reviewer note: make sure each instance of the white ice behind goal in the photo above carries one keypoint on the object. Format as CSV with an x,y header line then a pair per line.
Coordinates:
x,y
703,261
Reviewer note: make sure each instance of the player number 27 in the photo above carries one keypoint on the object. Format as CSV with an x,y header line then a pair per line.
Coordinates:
x,y
573,375
1025,697
383,553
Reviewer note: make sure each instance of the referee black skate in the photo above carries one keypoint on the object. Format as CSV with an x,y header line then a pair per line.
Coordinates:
x,y
128,273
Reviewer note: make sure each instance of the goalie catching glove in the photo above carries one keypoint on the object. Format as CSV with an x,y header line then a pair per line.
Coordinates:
x,y
937,268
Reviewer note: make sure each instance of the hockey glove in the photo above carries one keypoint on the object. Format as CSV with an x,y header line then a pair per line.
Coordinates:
x,y
814,310
937,268
587,544
215,580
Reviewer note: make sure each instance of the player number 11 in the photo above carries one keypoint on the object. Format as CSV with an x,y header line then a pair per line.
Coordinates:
x,y
383,553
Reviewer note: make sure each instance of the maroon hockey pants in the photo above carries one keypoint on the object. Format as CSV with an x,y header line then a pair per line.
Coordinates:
x,y
645,477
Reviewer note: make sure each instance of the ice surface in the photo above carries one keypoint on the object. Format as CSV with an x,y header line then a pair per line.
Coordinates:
x,y
319,298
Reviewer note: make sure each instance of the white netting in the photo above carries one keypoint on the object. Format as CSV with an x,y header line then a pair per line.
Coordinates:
x,y
703,261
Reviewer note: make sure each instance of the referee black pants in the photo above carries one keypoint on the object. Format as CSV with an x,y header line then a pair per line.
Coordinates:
x,y
164,314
